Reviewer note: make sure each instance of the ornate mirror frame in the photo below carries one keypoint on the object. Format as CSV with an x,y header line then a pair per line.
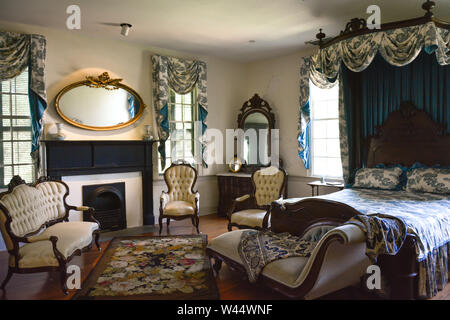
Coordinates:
x,y
256,105
102,81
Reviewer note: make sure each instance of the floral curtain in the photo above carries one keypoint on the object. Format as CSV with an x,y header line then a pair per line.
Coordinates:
x,y
17,52
307,73
182,76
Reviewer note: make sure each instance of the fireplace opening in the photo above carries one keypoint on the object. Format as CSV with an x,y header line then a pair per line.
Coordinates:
x,y
108,200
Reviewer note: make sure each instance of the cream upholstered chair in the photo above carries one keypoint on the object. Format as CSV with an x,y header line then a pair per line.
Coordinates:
x,y
180,201
34,222
252,210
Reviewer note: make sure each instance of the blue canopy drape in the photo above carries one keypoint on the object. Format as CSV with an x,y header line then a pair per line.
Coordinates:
x,y
370,95
423,82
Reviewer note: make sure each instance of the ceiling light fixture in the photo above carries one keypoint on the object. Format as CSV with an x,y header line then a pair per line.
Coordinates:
x,y
125,29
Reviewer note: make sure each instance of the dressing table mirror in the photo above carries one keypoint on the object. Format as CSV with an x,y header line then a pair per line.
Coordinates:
x,y
99,103
256,119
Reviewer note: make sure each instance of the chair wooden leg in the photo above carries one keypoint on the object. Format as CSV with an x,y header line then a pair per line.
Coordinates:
x,y
168,223
8,277
160,223
97,242
217,265
197,222
63,278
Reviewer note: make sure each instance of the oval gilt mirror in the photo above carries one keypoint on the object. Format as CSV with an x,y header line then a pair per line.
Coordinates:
x,y
99,103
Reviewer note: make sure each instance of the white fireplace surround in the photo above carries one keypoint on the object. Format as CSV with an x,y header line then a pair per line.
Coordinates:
x,y
133,193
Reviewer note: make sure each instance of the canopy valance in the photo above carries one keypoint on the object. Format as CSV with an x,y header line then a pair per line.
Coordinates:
x,y
398,43
398,46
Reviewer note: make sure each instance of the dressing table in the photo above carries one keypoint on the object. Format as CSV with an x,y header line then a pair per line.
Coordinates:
x,y
255,114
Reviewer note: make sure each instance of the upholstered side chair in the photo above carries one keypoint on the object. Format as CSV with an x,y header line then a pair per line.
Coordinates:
x,y
180,201
252,210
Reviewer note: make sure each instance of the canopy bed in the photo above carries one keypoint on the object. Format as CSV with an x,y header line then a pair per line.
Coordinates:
x,y
394,103
392,133
324,217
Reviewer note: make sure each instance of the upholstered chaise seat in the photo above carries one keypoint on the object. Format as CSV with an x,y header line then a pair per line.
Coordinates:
x,y
332,265
34,222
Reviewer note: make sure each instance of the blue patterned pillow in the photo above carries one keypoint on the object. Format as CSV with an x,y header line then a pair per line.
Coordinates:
x,y
378,178
432,180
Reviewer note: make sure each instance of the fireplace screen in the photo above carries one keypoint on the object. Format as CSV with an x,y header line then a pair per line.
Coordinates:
x,y
108,200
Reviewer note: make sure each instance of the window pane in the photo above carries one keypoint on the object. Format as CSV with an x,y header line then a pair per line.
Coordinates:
x,y
6,104
15,158
22,152
7,175
6,86
21,123
332,128
320,147
188,131
326,161
25,172
187,98
333,149
7,152
20,105
319,129
187,113
21,83
332,111
181,117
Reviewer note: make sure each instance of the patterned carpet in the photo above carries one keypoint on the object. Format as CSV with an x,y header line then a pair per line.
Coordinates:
x,y
143,267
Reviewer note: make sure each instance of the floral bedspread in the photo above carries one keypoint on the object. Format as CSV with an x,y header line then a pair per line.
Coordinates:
x,y
427,215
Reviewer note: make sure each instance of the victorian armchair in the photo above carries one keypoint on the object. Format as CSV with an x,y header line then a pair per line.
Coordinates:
x,y
252,210
180,201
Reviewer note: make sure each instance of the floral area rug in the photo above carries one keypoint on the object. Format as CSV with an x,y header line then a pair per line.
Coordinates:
x,y
165,267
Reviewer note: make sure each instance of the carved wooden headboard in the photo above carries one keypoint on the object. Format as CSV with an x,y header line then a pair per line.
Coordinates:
x,y
407,136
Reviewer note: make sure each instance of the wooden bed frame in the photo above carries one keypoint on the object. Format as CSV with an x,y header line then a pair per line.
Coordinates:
x,y
407,136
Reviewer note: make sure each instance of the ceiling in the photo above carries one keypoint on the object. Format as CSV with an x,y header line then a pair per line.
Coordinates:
x,y
214,27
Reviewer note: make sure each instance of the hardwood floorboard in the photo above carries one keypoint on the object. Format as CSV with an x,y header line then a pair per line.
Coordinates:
x,y
231,285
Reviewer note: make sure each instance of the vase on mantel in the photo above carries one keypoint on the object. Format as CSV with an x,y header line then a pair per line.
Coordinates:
x,y
59,135
148,133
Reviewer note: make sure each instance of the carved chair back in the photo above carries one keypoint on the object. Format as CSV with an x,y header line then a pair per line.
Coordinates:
x,y
180,179
268,185
26,209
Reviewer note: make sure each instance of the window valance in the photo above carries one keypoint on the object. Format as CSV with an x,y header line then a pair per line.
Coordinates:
x,y
181,75
17,52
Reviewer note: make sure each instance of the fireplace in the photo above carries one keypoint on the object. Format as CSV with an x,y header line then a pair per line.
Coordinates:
x,y
108,200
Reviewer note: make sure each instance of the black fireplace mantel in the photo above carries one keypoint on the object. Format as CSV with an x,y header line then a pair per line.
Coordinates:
x,y
70,158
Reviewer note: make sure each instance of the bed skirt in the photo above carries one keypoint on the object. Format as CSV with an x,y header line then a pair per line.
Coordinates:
x,y
433,272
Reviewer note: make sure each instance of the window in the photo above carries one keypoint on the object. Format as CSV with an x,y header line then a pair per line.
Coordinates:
x,y
15,135
325,148
182,117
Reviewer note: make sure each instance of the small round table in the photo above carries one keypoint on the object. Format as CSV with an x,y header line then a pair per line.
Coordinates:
x,y
316,184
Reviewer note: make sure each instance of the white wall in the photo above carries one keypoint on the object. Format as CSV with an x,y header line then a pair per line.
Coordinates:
x,y
71,57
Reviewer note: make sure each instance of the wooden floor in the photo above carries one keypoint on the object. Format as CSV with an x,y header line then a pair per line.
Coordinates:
x,y
231,286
